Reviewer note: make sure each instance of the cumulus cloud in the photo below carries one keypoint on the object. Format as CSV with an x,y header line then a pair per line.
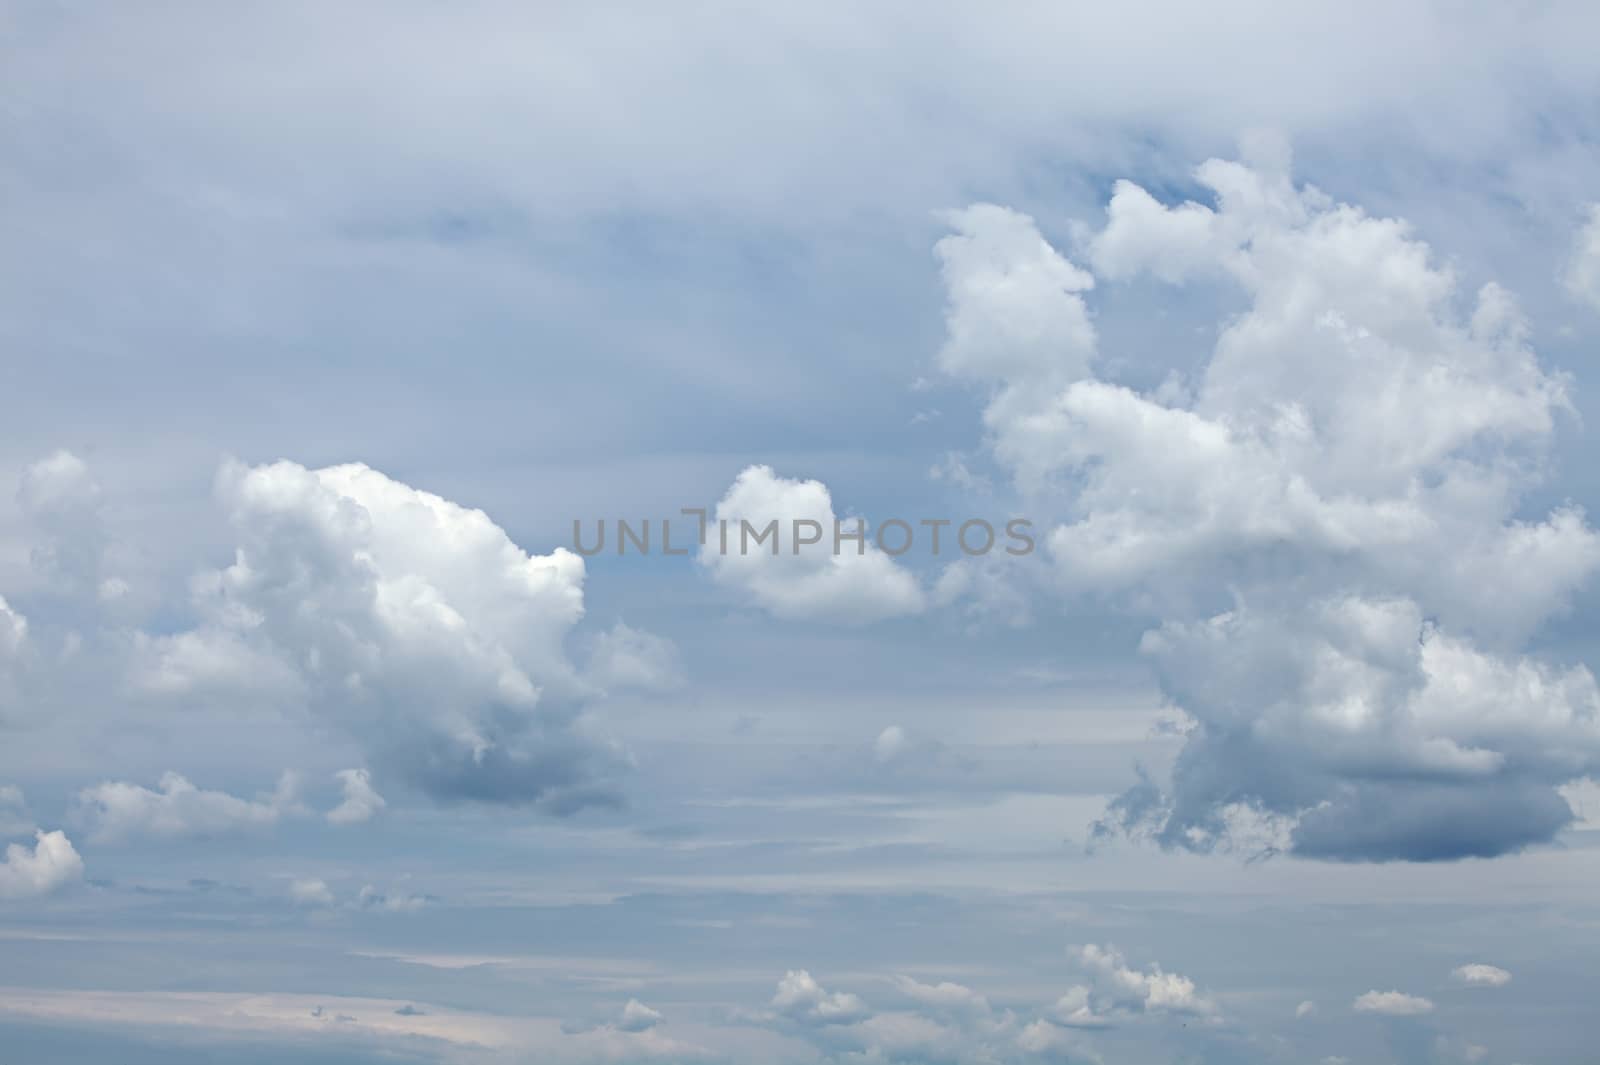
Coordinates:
x,y
1393,1004
852,582
175,808
1115,991
1480,975
52,863
361,803
800,998
1326,519
1582,276
413,623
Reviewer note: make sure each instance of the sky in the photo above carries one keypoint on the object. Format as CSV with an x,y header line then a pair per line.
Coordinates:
x,y
1158,613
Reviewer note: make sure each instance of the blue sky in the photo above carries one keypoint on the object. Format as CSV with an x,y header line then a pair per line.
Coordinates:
x,y
321,327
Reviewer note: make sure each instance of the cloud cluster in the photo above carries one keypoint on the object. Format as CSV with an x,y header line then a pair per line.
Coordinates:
x,y
950,1022
1325,521
1117,991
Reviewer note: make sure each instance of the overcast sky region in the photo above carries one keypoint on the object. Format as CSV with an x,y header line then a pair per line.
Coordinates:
x,y
1169,636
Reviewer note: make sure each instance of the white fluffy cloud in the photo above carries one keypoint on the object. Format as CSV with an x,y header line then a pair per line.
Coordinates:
x,y
52,863
1326,518
1480,975
175,808
800,998
361,802
854,584
1582,277
1392,1004
1115,990
413,623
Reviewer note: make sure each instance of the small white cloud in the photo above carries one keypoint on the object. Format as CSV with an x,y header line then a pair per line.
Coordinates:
x,y
783,554
1480,975
176,809
361,803
890,742
945,996
1305,1009
637,1017
51,863
311,892
799,997
1393,1004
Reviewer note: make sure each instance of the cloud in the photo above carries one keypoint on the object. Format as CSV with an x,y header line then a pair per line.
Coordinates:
x,y
13,646
1116,991
637,1017
370,898
1479,975
1305,1009
945,996
1326,520
311,892
14,817
361,803
51,864
410,622
176,809
1392,1004
853,584
800,998
1582,277
624,657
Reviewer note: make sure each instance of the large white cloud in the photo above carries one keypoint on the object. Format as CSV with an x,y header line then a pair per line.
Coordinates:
x,y
848,581
1326,518
52,863
411,622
